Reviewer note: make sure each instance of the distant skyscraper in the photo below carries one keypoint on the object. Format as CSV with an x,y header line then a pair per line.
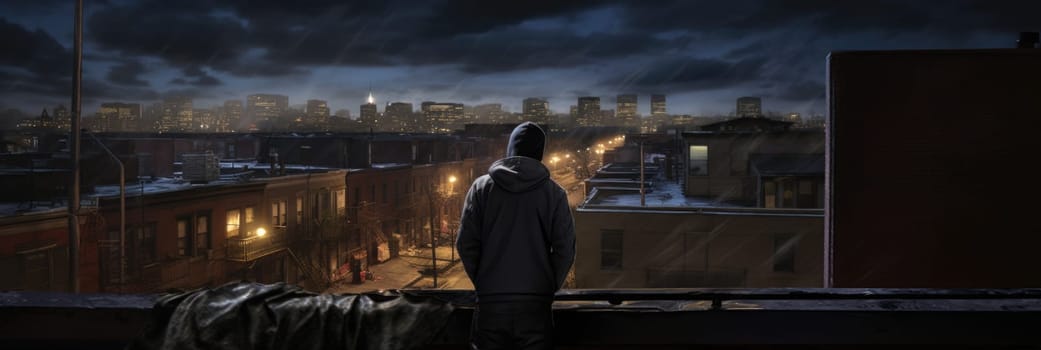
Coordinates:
x,y
749,107
317,114
536,110
317,108
658,106
443,117
589,113
489,113
177,114
233,115
262,109
62,119
203,120
626,110
119,117
399,117
369,116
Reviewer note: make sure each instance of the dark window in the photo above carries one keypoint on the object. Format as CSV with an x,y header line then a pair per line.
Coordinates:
x,y
193,234
184,236
784,253
202,233
144,244
611,249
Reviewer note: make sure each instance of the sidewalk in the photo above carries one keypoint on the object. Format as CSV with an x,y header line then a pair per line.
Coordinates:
x,y
397,273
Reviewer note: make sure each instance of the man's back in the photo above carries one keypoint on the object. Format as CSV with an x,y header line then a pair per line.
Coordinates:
x,y
517,243
521,215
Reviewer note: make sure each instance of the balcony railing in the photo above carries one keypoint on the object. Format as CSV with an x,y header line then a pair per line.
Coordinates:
x,y
254,247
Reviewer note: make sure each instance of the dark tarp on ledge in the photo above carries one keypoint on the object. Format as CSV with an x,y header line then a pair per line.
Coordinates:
x,y
280,316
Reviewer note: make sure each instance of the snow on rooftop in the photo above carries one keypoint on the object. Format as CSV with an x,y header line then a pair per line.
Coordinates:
x,y
23,208
159,185
662,194
388,165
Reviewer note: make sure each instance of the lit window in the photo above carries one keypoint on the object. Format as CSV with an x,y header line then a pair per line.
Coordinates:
x,y
233,223
299,209
183,237
698,163
341,201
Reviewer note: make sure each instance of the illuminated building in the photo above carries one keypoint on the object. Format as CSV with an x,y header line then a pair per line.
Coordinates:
x,y
626,110
589,113
176,114
536,110
369,113
264,108
658,105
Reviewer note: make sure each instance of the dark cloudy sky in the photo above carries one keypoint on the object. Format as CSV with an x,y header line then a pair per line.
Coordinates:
x,y
702,54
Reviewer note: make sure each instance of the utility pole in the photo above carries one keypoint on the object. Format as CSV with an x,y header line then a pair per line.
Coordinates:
x,y
643,192
433,243
74,150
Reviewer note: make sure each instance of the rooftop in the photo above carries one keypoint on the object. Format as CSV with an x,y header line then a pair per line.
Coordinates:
x,y
659,195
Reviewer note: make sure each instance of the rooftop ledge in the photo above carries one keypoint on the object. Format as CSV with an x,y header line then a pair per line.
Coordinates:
x,y
628,318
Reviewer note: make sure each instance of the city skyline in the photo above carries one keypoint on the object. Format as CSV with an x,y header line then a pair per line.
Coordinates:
x,y
336,52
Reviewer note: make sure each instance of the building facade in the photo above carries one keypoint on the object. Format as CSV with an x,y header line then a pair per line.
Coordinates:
x,y
658,106
588,112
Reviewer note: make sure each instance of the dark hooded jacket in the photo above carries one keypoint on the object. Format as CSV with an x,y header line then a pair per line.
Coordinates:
x,y
516,237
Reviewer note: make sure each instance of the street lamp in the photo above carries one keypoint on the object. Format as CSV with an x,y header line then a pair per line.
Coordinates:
x,y
261,232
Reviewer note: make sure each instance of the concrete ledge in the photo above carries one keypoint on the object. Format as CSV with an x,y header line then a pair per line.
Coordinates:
x,y
661,318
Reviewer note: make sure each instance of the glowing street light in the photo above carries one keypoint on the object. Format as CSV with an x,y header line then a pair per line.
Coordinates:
x,y
451,179
261,232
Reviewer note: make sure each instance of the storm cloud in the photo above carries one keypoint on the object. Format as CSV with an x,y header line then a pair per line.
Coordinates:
x,y
209,49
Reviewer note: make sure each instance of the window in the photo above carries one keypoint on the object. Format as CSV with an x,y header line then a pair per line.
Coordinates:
x,y
611,249
784,253
299,209
341,201
698,163
202,233
193,234
278,213
184,236
143,243
769,194
234,223
249,216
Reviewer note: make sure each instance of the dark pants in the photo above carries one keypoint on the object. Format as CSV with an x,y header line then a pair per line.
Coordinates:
x,y
512,325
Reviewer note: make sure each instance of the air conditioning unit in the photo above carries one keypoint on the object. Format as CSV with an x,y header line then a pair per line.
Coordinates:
x,y
200,167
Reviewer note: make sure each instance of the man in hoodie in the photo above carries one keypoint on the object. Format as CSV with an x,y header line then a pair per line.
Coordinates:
x,y
517,242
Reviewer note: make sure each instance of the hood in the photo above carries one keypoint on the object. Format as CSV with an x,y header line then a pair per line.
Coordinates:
x,y
518,174
526,140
